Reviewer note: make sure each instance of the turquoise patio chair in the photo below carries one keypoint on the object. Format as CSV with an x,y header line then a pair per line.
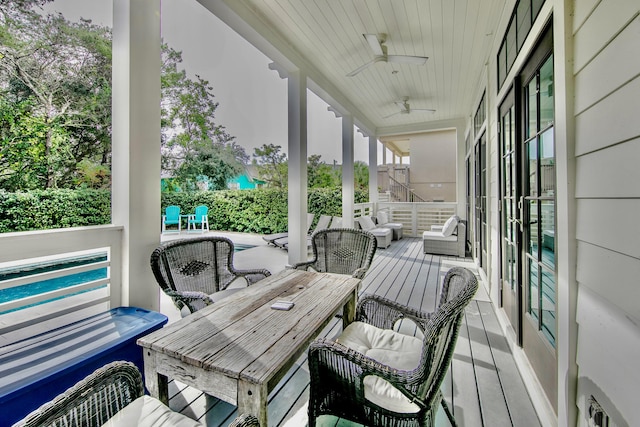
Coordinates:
x,y
199,221
171,217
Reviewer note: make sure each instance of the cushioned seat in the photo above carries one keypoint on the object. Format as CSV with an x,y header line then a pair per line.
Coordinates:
x,y
396,227
447,239
383,235
147,411
390,348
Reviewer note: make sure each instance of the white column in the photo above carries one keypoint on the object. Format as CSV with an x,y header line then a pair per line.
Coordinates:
x,y
566,255
297,100
384,154
373,170
348,176
136,144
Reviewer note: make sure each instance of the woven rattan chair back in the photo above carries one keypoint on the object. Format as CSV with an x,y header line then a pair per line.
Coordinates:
x,y
91,401
342,251
203,265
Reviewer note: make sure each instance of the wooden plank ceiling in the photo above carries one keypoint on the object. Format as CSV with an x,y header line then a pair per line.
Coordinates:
x,y
456,35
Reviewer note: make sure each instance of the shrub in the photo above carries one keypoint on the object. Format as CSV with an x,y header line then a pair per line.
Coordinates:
x,y
45,209
260,211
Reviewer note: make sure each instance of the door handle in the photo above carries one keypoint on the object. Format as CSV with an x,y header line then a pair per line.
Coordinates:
x,y
520,220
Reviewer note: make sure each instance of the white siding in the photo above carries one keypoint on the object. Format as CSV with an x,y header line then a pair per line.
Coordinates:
x,y
607,102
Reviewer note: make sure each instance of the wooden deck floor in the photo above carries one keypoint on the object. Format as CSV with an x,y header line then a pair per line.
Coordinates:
x,y
483,386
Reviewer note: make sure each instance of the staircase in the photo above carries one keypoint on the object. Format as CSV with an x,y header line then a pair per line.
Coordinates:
x,y
399,192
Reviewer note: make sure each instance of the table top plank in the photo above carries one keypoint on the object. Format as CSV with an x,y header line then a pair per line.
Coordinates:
x,y
283,334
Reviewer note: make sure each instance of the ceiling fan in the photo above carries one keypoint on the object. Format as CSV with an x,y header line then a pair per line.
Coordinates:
x,y
406,108
376,42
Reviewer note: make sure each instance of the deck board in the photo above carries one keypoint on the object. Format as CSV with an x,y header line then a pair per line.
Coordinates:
x,y
483,386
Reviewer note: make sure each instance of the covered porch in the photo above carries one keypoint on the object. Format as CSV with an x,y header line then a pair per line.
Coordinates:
x,y
483,387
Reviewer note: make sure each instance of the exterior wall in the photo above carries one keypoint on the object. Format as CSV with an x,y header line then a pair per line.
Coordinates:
x,y
607,149
434,176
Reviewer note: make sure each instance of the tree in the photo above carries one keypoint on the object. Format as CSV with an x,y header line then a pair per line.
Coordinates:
x,y
56,77
320,174
193,145
272,165
361,175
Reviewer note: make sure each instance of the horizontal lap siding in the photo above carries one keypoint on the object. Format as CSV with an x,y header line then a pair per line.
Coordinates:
x,y
607,129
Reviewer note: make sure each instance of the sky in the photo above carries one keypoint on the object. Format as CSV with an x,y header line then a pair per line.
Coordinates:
x,y
252,99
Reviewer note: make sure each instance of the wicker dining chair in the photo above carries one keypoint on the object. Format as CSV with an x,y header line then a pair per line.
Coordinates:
x,y
375,376
341,250
102,395
195,272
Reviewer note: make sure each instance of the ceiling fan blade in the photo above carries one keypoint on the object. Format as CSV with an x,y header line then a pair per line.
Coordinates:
x,y
390,115
406,59
362,67
424,109
374,43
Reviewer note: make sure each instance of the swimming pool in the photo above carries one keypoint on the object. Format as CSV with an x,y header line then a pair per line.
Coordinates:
x,y
49,285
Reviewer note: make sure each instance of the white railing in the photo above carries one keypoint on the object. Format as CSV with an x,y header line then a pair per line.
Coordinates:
x,y
39,311
415,217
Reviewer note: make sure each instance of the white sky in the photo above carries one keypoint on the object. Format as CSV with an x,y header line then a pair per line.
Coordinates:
x,y
253,99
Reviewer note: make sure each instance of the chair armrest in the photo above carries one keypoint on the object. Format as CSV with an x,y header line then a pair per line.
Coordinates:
x,y
359,273
253,276
86,402
245,420
303,265
437,227
383,313
194,300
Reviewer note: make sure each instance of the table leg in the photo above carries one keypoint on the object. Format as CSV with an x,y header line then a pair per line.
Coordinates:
x,y
157,384
349,310
252,400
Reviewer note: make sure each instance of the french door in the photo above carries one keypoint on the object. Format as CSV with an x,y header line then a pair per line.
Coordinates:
x,y
480,229
528,220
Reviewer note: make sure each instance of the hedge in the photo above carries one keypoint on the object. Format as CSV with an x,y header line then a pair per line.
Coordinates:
x,y
260,211
45,209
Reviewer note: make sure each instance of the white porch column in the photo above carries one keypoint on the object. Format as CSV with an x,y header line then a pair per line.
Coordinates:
x,y
348,175
297,100
373,170
384,154
136,144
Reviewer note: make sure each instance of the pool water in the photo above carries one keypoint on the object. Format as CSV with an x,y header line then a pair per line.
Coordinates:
x,y
49,285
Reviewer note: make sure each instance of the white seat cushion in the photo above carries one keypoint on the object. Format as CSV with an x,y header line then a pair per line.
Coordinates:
x,y
146,411
437,235
390,348
450,225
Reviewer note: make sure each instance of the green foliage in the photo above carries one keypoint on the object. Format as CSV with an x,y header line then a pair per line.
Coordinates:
x,y
320,174
261,211
55,108
250,211
48,209
55,79
272,165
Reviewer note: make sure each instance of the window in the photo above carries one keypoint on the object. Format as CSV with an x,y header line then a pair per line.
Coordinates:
x,y
523,16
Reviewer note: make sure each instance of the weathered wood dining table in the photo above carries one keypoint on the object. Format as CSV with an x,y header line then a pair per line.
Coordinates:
x,y
239,348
